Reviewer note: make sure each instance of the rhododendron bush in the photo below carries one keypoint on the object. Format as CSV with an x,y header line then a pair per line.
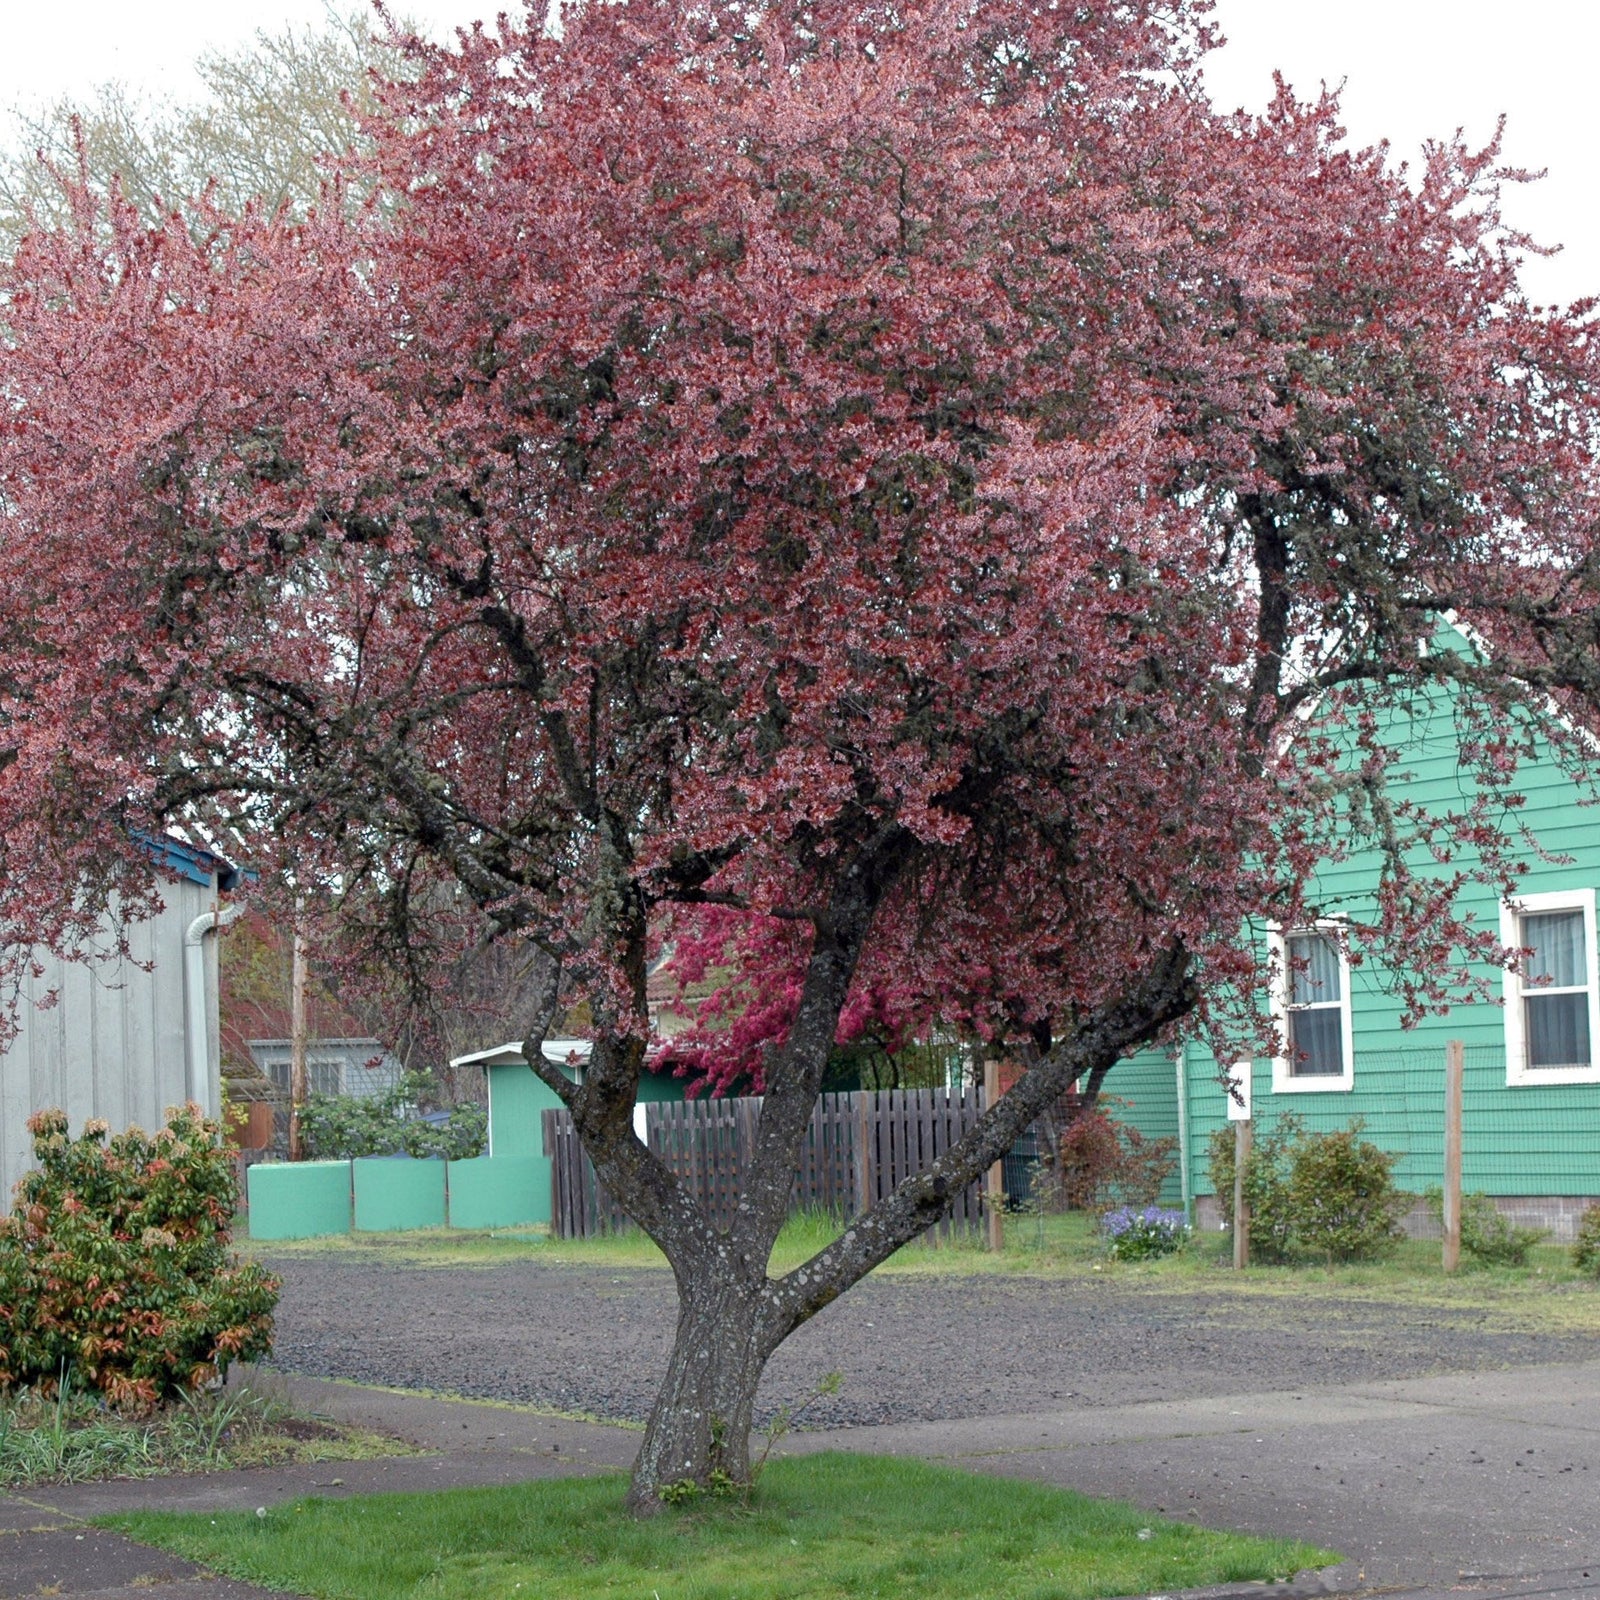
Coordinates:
x,y
856,493
115,1271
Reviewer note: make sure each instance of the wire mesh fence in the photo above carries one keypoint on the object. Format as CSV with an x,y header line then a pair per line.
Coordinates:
x,y
1534,1148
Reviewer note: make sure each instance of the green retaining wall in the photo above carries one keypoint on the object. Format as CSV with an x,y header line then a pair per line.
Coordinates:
x,y
498,1191
396,1193
299,1200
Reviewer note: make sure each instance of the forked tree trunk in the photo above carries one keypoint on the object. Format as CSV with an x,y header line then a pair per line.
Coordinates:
x,y
699,1428
732,1317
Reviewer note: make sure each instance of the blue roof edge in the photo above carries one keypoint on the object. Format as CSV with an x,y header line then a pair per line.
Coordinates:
x,y
180,859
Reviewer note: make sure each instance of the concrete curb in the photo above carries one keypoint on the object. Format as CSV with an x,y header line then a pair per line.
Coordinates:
x,y
1341,1578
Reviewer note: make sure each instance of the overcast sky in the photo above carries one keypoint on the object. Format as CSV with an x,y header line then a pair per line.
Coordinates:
x,y
1411,69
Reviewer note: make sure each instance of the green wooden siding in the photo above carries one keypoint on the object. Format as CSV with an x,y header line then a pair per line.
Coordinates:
x,y
517,1099
1142,1092
1521,1139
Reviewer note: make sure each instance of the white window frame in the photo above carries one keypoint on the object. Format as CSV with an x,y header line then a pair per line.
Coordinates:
x,y
1284,1079
1518,1072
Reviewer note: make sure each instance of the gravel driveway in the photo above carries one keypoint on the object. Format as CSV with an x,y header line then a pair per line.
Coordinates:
x,y
909,1348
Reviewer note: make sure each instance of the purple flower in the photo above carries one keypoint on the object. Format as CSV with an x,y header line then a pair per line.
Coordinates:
x,y
1136,1234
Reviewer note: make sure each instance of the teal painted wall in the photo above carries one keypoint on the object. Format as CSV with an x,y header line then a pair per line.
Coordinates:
x,y
653,1089
301,1201
395,1193
1143,1092
498,1191
517,1103
517,1100
1518,1139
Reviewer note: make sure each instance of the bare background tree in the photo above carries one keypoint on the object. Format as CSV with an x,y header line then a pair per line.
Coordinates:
x,y
272,110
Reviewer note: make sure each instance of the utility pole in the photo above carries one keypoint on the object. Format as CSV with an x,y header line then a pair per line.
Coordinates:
x,y
297,1042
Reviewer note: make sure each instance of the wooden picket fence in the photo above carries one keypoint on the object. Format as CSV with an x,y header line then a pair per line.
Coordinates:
x,y
859,1147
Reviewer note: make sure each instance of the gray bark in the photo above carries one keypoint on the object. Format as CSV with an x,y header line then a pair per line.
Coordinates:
x,y
732,1315
699,1427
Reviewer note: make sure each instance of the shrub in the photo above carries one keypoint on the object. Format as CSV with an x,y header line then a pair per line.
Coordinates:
x,y
1488,1235
1102,1161
115,1267
1133,1235
1586,1245
1331,1194
335,1127
1266,1183
1342,1198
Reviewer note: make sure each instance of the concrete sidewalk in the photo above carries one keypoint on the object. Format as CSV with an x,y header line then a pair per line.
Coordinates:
x,y
1488,1482
1485,1484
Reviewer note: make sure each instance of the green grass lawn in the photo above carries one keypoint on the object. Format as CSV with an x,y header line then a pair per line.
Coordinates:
x,y
819,1528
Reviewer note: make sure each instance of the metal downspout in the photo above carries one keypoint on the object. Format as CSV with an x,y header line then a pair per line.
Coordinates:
x,y
195,997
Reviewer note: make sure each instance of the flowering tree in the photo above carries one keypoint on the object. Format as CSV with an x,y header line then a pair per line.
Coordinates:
x,y
872,484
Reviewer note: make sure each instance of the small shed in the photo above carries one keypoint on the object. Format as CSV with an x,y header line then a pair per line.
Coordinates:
x,y
518,1098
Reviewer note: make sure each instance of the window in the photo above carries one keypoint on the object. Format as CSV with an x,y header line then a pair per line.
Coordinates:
x,y
1553,1004
1312,1008
323,1076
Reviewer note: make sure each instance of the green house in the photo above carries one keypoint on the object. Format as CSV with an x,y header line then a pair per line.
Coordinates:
x,y
518,1098
1531,1093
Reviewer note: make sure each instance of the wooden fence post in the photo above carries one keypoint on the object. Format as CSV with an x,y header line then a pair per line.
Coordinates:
x,y
994,1200
864,1132
1454,1058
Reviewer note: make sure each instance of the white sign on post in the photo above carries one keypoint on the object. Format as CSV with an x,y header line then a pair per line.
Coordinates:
x,y
1239,1092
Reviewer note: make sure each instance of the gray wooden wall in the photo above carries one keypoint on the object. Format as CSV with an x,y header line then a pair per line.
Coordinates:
x,y
115,1043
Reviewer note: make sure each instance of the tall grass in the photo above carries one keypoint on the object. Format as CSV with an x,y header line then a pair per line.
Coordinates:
x,y
72,1437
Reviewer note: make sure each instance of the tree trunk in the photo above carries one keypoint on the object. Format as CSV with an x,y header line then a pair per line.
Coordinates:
x,y
699,1428
732,1317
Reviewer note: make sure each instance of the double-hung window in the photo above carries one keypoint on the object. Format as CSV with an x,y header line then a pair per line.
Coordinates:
x,y
1553,1003
1312,1010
